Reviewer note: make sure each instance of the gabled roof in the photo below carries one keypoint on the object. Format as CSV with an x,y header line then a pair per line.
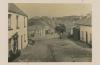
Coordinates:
x,y
14,9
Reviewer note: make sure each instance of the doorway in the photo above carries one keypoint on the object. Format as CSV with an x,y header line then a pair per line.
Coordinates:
x,y
86,37
21,42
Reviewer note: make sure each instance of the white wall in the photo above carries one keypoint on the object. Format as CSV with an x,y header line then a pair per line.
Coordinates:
x,y
22,31
83,30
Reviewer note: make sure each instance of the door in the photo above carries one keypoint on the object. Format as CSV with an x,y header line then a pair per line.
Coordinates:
x,y
21,42
86,37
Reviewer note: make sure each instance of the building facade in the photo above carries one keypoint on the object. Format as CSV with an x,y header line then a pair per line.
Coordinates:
x,y
42,32
17,29
83,30
86,34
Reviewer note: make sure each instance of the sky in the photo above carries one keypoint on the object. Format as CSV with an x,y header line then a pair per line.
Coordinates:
x,y
58,10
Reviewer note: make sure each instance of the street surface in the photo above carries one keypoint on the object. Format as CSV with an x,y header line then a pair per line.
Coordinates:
x,y
55,50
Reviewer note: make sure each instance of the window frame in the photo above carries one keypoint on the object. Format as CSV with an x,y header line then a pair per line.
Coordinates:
x,y
9,22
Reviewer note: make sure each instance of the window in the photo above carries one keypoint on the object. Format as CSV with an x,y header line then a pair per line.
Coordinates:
x,y
9,22
17,26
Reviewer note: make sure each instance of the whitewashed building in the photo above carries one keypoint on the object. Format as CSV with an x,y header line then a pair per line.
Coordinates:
x,y
86,30
82,30
39,32
86,34
17,29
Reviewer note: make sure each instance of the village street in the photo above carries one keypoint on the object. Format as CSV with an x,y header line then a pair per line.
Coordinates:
x,y
55,50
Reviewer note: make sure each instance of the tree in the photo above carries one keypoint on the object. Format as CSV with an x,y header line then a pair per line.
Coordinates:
x,y
60,29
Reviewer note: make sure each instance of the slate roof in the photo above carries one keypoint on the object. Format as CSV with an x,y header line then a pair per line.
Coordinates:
x,y
14,9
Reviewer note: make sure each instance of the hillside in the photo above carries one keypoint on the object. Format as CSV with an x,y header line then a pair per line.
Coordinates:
x,y
52,22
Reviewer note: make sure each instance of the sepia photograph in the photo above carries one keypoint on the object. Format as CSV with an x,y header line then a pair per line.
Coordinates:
x,y
49,32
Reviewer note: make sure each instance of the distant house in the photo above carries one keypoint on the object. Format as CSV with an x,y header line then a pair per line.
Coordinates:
x,y
86,33
17,29
40,30
83,30
86,30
